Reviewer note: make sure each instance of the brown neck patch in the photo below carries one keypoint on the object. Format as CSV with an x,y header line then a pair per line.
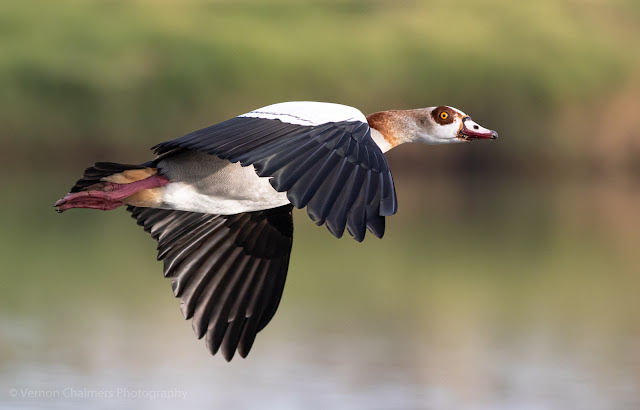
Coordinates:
x,y
383,122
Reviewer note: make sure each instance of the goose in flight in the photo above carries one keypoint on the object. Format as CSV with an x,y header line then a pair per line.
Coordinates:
x,y
218,201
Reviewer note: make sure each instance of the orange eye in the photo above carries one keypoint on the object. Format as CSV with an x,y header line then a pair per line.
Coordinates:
x,y
444,115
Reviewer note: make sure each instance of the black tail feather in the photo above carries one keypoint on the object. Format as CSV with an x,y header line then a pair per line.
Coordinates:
x,y
92,175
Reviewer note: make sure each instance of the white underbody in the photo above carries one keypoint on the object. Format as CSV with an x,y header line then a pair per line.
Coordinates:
x,y
208,184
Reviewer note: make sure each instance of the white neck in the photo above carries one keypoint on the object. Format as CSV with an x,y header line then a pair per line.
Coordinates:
x,y
382,143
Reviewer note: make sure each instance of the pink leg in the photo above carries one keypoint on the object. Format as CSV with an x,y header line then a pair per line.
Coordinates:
x,y
111,195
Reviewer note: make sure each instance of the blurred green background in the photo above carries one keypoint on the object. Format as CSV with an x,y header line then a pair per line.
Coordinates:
x,y
509,278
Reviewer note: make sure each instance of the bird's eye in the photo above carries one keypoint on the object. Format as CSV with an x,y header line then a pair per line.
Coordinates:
x,y
444,115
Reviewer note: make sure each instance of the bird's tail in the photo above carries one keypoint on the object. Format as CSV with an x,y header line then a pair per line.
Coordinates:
x,y
94,177
109,185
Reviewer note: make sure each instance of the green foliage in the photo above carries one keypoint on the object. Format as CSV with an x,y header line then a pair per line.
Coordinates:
x,y
131,71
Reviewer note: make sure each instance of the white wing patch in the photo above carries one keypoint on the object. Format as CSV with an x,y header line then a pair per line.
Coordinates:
x,y
307,113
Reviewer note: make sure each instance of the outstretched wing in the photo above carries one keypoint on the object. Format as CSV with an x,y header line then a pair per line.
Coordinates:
x,y
228,270
321,154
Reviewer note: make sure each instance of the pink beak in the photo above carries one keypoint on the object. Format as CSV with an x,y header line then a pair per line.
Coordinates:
x,y
472,131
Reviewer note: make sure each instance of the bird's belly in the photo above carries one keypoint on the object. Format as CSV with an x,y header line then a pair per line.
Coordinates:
x,y
205,183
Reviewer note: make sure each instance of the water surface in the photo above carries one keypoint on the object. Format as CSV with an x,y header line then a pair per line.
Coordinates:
x,y
484,294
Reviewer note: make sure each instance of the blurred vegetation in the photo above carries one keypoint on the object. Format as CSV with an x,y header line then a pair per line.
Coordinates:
x,y
560,80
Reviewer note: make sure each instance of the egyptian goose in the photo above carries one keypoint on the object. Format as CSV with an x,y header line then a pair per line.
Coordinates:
x,y
219,200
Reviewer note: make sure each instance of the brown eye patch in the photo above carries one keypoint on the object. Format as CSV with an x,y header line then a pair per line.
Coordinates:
x,y
442,115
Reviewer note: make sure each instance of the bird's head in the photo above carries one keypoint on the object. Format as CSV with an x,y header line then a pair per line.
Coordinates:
x,y
441,125
432,125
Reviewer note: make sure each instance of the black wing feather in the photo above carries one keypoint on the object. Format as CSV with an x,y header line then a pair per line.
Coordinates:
x,y
228,270
310,182
313,164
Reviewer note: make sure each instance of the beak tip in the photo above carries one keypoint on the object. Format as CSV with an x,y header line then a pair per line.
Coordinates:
x,y
494,135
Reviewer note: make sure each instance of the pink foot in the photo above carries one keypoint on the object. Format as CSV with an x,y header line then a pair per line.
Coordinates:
x,y
111,195
88,199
